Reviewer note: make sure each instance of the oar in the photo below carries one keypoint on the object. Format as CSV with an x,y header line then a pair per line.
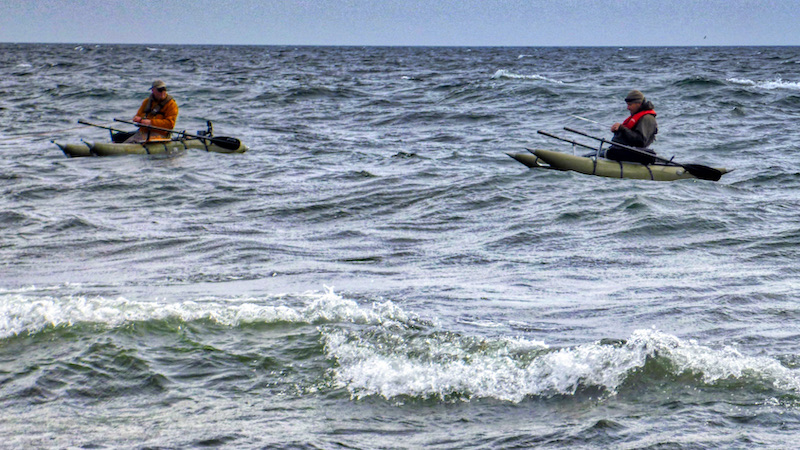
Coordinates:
x,y
699,171
227,143
83,122
566,140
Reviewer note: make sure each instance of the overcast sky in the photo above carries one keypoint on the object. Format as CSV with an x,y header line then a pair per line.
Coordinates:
x,y
404,22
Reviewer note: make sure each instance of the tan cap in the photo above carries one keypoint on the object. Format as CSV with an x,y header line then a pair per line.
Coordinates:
x,y
158,84
634,97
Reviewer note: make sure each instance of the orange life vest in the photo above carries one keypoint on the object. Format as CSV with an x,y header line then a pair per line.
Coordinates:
x,y
630,122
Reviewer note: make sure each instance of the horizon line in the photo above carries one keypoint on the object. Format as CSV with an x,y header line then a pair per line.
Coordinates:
x,y
403,45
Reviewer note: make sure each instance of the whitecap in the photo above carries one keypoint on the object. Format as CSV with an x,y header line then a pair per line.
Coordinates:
x,y
767,84
504,74
445,365
20,313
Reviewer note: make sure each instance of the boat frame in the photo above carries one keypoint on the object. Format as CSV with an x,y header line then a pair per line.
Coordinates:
x,y
601,167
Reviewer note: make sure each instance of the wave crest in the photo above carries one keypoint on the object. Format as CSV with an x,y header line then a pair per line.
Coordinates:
x,y
767,84
504,74
445,366
20,314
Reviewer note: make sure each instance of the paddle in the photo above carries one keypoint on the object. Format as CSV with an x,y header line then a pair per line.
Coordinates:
x,y
699,171
227,143
566,140
83,122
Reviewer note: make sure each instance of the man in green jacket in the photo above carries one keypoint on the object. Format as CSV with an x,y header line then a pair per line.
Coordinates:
x,y
639,130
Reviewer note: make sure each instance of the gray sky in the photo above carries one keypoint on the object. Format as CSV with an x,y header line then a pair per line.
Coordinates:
x,y
404,22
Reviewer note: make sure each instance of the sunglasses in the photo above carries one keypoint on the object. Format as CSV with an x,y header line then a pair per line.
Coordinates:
x,y
161,89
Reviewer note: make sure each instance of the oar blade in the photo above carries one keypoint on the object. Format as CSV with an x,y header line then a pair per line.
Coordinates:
x,y
703,172
228,143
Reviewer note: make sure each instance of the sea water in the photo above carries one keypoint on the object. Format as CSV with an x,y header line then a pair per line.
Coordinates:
x,y
376,272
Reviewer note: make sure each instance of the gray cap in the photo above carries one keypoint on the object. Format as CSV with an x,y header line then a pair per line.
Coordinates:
x,y
634,97
158,84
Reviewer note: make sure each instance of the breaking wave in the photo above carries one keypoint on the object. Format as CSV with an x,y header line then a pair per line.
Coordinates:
x,y
767,84
445,366
382,350
20,314
504,74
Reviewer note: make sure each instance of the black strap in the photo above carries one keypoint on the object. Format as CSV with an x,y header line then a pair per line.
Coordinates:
x,y
150,111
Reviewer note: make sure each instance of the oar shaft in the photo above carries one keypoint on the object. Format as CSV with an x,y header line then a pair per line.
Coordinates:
x,y
162,129
82,122
224,142
617,144
565,140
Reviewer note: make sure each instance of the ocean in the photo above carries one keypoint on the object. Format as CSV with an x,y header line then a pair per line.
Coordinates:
x,y
376,272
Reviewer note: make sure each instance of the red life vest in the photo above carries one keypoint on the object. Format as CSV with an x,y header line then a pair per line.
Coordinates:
x,y
630,122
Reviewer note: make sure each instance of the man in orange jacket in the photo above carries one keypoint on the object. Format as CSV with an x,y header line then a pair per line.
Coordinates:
x,y
159,110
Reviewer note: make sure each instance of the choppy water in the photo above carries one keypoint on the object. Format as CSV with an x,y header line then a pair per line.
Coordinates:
x,y
377,273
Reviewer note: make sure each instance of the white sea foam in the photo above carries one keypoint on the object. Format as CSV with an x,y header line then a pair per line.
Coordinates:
x,y
767,84
504,74
20,313
385,355
513,370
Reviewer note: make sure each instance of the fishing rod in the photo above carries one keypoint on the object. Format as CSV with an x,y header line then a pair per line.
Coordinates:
x,y
585,119
43,133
